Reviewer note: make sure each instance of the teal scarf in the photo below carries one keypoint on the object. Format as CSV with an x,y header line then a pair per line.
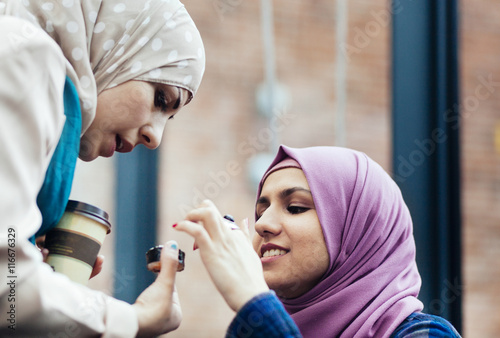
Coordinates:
x,y
56,188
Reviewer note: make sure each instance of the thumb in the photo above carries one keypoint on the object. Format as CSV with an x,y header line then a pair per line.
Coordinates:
x,y
169,260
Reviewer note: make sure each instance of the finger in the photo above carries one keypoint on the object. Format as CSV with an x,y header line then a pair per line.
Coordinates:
x,y
40,242
169,260
208,215
244,228
195,230
97,266
45,254
206,203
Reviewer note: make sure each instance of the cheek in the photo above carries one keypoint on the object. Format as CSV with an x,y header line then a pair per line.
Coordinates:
x,y
140,100
122,106
103,124
310,249
132,112
315,262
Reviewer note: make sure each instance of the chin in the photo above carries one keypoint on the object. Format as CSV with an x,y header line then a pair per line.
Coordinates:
x,y
86,152
86,157
287,289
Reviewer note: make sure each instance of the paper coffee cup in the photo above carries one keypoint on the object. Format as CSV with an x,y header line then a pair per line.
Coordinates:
x,y
75,241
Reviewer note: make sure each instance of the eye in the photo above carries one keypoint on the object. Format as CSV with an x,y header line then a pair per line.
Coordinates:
x,y
296,210
259,211
160,99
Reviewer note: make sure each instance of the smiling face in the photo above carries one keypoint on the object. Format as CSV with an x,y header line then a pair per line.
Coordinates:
x,y
132,113
289,237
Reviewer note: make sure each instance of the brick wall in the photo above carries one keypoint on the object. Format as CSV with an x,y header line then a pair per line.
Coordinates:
x,y
207,147
223,126
480,81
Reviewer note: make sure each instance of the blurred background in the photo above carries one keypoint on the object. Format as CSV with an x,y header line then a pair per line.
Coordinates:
x,y
331,65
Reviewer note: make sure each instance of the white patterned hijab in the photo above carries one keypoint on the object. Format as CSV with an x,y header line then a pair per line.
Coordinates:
x,y
108,42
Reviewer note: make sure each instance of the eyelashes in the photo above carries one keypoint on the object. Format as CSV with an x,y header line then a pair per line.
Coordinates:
x,y
296,210
160,100
292,209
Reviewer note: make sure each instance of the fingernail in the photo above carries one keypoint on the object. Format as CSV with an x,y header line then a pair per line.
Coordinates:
x,y
173,226
195,246
172,249
230,218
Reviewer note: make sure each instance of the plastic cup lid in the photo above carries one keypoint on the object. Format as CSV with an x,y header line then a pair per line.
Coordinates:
x,y
90,211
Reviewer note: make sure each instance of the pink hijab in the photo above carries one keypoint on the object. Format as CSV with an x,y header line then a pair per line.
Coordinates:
x,y
372,281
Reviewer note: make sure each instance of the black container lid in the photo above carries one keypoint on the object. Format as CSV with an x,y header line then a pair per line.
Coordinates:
x,y
153,254
89,211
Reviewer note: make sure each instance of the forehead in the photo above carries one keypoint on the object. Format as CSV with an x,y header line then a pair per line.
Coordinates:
x,y
284,178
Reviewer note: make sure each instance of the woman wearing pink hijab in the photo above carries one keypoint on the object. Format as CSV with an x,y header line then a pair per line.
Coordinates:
x,y
335,242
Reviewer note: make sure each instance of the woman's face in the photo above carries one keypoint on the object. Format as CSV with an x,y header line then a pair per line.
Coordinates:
x,y
132,113
289,238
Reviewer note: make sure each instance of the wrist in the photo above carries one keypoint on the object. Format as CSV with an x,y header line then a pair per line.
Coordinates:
x,y
146,325
246,297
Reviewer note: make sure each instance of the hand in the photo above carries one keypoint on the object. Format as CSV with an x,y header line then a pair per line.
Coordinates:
x,y
228,255
158,307
99,261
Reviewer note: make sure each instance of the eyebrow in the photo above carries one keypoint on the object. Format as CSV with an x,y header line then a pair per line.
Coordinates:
x,y
285,193
178,102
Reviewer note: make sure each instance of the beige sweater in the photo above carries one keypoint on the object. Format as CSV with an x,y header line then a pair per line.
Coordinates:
x,y
34,300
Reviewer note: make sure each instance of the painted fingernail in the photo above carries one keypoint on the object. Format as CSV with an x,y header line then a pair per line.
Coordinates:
x,y
195,246
173,226
230,218
173,246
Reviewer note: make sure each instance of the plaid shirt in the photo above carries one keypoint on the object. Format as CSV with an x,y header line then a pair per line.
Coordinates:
x,y
265,317
421,325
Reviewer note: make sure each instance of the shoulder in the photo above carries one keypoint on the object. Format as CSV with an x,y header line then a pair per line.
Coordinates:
x,y
35,67
32,104
263,316
421,325
27,45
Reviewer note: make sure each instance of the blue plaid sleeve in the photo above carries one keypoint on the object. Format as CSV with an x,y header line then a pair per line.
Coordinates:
x,y
263,316
421,325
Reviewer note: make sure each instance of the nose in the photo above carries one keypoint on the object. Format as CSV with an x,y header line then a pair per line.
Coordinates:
x,y
151,136
268,224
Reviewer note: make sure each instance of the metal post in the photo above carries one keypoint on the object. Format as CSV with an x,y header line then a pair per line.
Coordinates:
x,y
135,230
426,144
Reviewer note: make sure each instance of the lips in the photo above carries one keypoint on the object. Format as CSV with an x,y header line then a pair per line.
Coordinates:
x,y
122,145
119,143
110,151
272,250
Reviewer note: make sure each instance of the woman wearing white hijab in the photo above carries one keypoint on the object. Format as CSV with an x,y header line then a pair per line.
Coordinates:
x,y
83,78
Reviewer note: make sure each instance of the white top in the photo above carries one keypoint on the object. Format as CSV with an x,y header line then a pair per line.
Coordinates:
x,y
34,300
